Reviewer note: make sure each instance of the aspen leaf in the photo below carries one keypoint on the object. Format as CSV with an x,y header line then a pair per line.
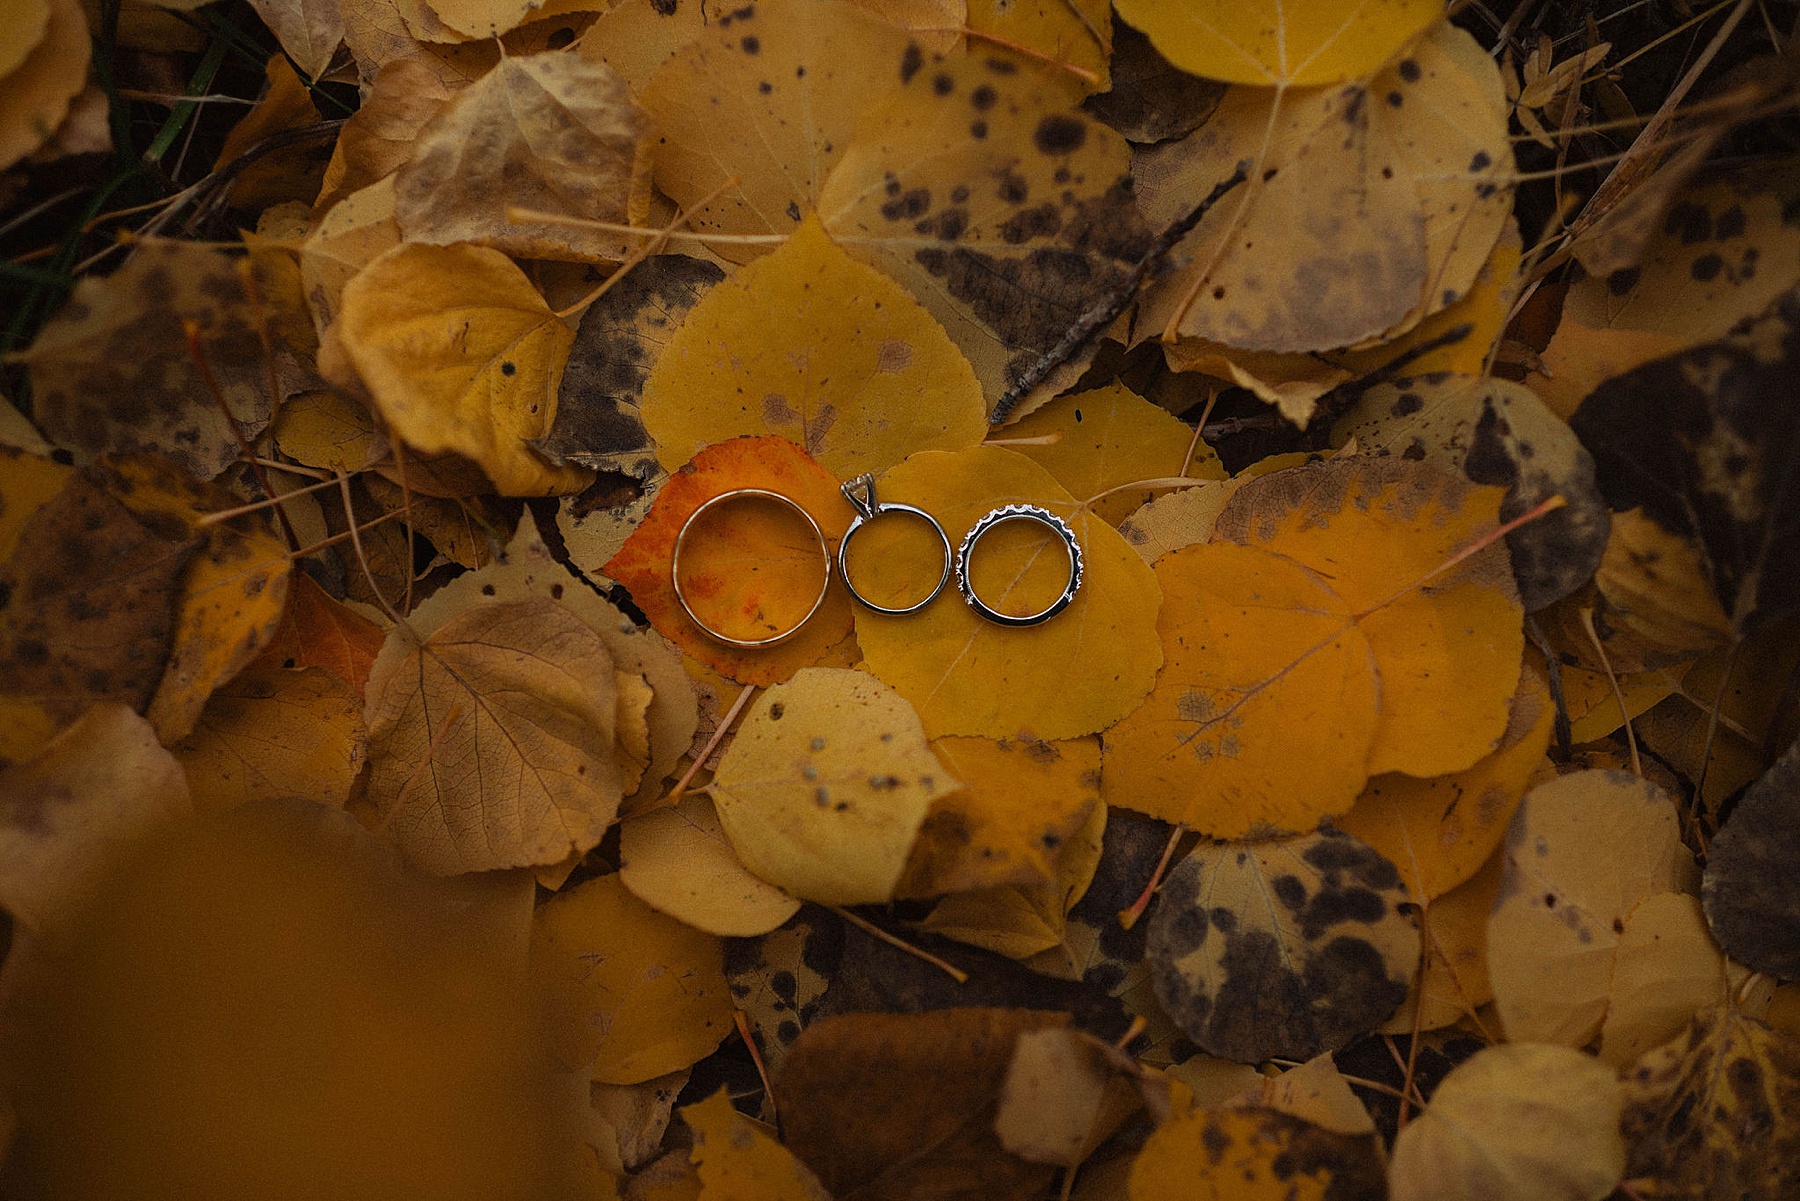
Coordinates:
x,y
329,431
1424,168
1253,1154
309,30
679,860
1075,34
1026,201
275,732
753,571
1715,1112
1525,1121
1315,1092
491,742
1666,969
1177,518
1446,645
1582,852
902,1105
551,132
65,813
769,98
826,784
1252,641
1024,920
377,139
1440,830
1497,432
1280,41
461,354
35,95
1282,949
648,992
779,981
1072,675
112,372
621,338
1750,903
1021,803
737,1161
635,37
862,378
1110,437
353,233
1454,982
1066,1092
31,19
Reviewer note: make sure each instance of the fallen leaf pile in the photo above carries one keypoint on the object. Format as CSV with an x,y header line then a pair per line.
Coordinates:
x,y
1403,807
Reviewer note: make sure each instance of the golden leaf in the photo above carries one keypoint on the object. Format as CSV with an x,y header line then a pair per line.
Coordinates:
x,y
860,378
1072,675
739,1161
826,784
647,992
491,743
1280,41
35,95
1249,1154
461,354
678,859
272,732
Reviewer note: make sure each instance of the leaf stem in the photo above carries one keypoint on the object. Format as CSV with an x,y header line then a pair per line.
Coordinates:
x,y
869,927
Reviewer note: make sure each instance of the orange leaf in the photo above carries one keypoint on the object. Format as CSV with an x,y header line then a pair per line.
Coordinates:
x,y
317,631
753,571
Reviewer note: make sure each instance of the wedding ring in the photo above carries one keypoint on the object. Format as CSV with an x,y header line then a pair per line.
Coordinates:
x,y
739,494
860,492
1000,516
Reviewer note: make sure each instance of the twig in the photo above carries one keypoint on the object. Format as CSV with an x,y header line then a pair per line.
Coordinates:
x,y
1587,623
712,744
1100,314
869,927
743,1029
1129,917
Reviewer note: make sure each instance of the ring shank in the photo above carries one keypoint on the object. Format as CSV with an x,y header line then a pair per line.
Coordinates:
x,y
739,495
996,518
857,524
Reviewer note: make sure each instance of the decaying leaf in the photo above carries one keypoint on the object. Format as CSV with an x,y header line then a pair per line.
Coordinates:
x,y
113,371
1715,1112
1750,898
551,132
679,860
902,1106
1282,949
272,731
98,787
622,336
461,354
826,784
1526,1121
646,992
1072,675
861,378
1255,1154
1496,432
491,743
1582,852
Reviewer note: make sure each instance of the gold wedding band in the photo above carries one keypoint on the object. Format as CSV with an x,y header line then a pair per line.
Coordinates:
x,y
739,494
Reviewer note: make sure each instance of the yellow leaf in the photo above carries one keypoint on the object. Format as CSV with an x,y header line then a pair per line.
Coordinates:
x,y
1425,168
1072,675
36,94
1010,823
94,790
27,483
648,993
738,1161
860,378
1581,854
275,732
678,859
1066,1092
1527,1122
491,743
1006,209
1280,41
353,233
768,97
30,19
550,132
461,354
1440,830
1447,645
1245,1154
1023,920
1178,518
1110,437
326,430
826,784
1281,949
1667,968
1253,644
1455,982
